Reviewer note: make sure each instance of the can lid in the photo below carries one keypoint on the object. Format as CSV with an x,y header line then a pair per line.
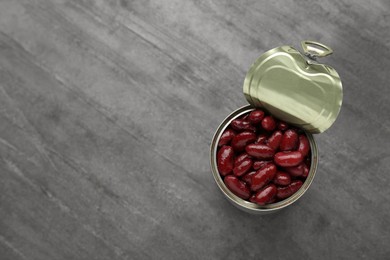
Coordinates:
x,y
295,88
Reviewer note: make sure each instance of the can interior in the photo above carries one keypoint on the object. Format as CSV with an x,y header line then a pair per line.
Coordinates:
x,y
246,205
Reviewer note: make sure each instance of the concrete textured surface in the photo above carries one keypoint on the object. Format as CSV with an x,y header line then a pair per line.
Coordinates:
x,y
107,110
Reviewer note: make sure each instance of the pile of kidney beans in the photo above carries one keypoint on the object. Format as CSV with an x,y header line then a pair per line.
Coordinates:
x,y
261,159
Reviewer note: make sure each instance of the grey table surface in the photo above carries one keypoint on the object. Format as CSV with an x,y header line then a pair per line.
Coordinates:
x,y
107,110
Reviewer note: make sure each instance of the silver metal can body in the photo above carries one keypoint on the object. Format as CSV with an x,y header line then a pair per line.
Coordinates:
x,y
246,205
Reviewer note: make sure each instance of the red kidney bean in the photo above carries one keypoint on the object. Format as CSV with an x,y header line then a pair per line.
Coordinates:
x,y
241,125
273,200
289,140
305,171
261,139
288,159
296,170
237,186
226,137
225,159
258,164
285,192
248,177
241,157
242,167
275,139
256,116
282,126
282,179
261,151
304,145
268,123
244,117
263,176
241,140
252,198
266,194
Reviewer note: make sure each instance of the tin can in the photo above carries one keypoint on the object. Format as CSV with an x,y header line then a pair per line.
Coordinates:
x,y
313,108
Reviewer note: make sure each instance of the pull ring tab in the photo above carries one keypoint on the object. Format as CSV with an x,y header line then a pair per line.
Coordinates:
x,y
315,49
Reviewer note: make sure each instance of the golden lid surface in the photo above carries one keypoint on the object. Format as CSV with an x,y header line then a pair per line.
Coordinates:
x,y
295,87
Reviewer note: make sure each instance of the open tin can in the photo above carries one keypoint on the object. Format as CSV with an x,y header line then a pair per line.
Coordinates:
x,y
294,88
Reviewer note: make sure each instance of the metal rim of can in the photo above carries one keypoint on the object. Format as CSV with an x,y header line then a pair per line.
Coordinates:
x,y
246,205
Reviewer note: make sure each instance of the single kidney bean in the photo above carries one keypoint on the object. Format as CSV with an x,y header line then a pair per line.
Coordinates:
x,y
266,194
273,200
289,140
248,177
263,176
282,126
261,151
256,116
285,192
237,186
282,179
241,125
244,117
261,139
242,167
305,171
268,123
252,198
225,160
295,171
240,158
226,137
288,159
304,145
275,139
241,140
258,164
